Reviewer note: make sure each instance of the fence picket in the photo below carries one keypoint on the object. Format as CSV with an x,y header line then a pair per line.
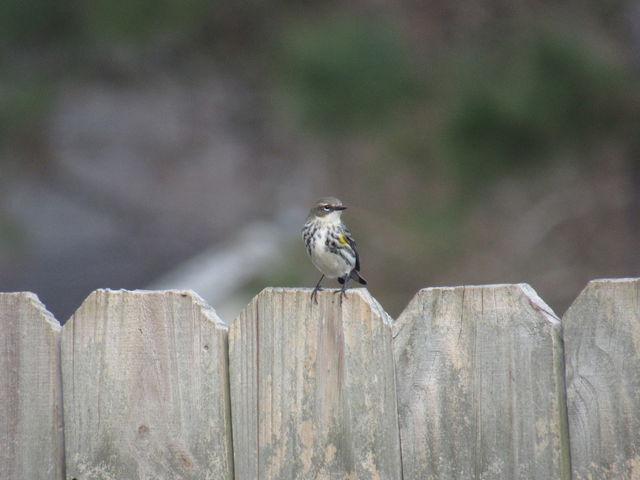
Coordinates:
x,y
31,440
602,345
146,388
481,385
312,388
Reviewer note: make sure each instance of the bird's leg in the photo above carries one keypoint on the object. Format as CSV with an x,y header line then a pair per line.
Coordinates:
x,y
343,290
314,294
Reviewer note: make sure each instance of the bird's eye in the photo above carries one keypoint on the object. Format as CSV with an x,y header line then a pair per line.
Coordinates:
x,y
326,208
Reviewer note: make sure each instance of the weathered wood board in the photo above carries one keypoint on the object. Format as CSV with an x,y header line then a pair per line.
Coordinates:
x,y
602,346
481,385
146,388
313,388
31,438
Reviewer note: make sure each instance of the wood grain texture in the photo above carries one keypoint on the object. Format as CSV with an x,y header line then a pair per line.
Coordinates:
x,y
481,385
602,345
146,388
31,439
313,388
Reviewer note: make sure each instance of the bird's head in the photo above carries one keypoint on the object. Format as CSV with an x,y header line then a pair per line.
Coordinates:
x,y
327,207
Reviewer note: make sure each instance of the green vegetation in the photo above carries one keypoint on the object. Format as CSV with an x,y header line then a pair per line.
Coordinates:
x,y
345,74
24,101
474,110
46,23
36,22
546,95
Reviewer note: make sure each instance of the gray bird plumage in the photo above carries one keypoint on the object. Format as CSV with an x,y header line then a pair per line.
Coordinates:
x,y
330,244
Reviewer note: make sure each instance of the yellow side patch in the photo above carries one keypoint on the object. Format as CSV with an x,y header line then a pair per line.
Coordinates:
x,y
342,238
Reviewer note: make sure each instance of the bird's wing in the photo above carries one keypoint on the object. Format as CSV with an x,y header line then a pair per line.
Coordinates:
x,y
347,239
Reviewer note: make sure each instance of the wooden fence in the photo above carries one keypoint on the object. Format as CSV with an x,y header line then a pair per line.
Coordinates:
x,y
475,382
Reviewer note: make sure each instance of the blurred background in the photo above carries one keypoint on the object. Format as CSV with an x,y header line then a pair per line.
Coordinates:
x,y
180,143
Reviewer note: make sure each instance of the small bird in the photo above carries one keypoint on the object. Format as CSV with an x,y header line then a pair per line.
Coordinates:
x,y
330,245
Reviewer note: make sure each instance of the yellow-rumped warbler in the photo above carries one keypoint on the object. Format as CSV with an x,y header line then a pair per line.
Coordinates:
x,y
330,244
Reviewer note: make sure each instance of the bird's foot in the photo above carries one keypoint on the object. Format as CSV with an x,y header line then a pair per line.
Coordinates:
x,y
314,294
343,294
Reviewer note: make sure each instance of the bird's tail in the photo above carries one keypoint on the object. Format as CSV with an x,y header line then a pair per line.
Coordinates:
x,y
355,275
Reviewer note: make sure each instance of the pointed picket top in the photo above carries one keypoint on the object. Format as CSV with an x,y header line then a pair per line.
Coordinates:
x,y
522,291
602,349
313,387
480,373
31,445
146,387
33,306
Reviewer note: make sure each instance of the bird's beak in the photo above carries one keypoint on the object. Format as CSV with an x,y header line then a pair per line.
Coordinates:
x,y
341,207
